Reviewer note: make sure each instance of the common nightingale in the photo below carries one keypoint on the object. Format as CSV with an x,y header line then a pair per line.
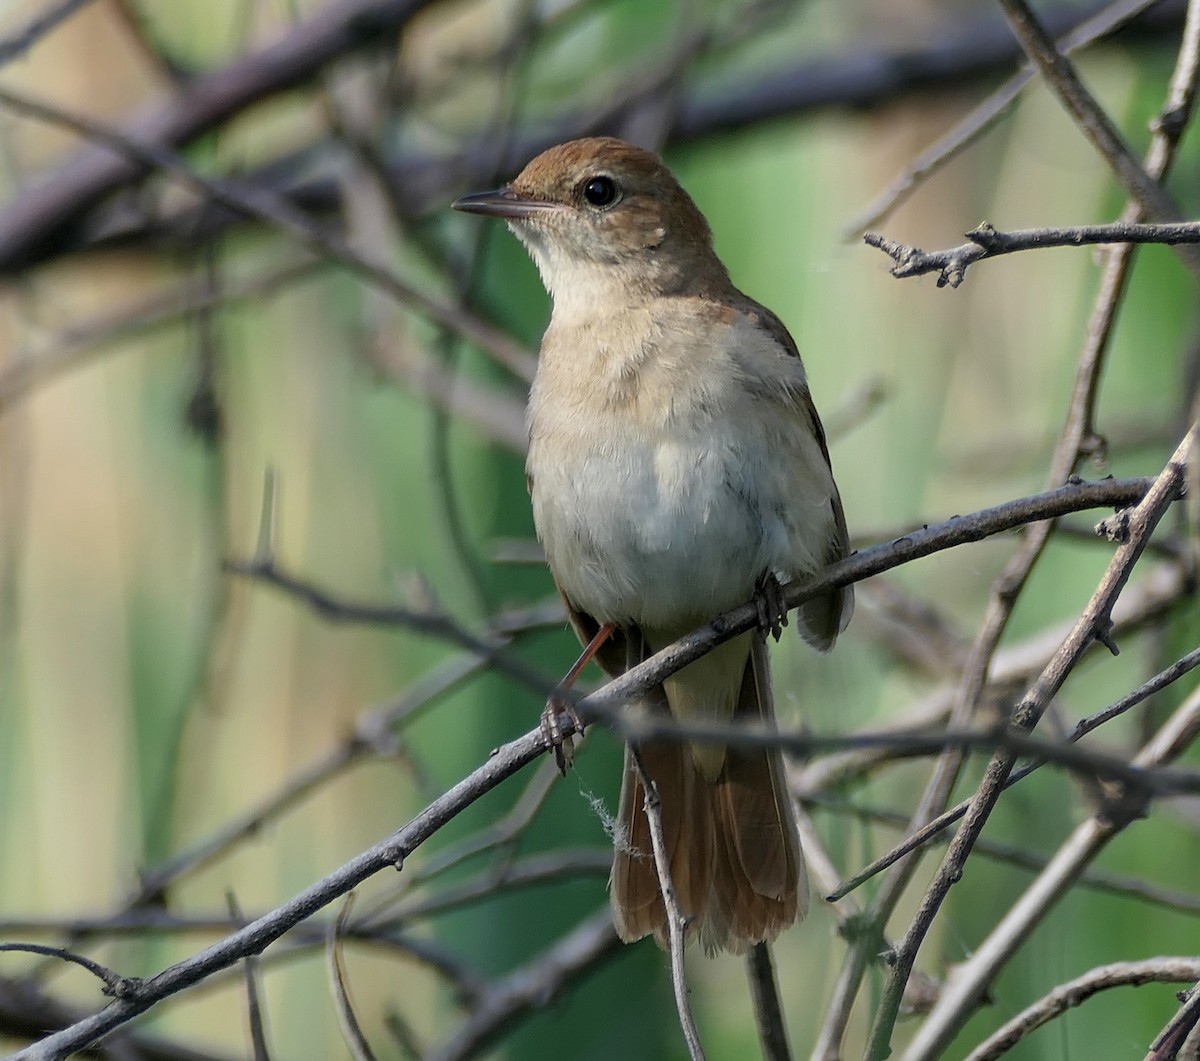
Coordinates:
x,y
677,468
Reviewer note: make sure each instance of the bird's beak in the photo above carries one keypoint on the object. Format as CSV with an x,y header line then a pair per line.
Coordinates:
x,y
503,202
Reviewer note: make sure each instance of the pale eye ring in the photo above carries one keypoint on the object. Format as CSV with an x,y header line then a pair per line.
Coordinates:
x,y
599,191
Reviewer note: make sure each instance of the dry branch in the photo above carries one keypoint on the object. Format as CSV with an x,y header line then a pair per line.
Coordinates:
x,y
50,219
1067,996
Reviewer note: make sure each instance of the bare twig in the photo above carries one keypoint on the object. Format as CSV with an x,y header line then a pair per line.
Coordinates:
x,y
115,985
534,985
1091,118
277,213
968,981
928,832
987,242
352,1031
387,854
768,1013
1067,996
1010,854
427,623
250,970
677,919
16,44
984,116
1168,1043
1093,625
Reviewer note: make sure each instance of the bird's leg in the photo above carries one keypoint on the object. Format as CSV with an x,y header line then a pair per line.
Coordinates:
x,y
558,705
772,607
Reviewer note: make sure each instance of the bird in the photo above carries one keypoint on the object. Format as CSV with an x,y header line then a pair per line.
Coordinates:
x,y
677,468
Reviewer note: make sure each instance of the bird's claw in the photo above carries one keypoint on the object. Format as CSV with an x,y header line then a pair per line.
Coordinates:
x,y
772,607
557,708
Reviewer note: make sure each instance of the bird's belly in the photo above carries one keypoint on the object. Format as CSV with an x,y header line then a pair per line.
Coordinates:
x,y
664,533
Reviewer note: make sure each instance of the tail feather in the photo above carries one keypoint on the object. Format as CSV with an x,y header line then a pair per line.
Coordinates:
x,y
734,853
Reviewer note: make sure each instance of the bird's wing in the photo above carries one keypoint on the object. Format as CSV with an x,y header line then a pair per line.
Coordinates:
x,y
824,617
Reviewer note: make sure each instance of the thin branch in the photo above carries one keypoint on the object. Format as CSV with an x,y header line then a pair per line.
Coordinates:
x,y
677,920
768,1012
115,985
561,864
1093,625
250,971
988,242
47,220
1003,740
427,623
1010,854
533,986
499,835
968,982
529,871
947,818
360,1049
389,853
17,44
1168,1043
1091,118
275,212
985,116
1067,996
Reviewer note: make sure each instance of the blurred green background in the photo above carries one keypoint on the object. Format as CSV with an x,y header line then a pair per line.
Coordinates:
x,y
146,698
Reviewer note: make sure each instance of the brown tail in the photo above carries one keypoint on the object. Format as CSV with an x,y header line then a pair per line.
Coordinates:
x,y
734,853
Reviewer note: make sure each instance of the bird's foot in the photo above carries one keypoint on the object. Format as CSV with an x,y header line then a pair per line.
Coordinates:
x,y
558,708
772,607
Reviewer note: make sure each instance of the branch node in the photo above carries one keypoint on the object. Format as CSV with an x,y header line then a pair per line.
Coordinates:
x,y
122,987
1170,123
1115,527
1094,447
985,235
1103,634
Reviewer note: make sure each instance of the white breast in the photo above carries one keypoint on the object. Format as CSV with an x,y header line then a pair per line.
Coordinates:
x,y
663,488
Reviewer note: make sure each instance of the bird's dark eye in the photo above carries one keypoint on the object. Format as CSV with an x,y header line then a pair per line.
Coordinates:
x,y
600,191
